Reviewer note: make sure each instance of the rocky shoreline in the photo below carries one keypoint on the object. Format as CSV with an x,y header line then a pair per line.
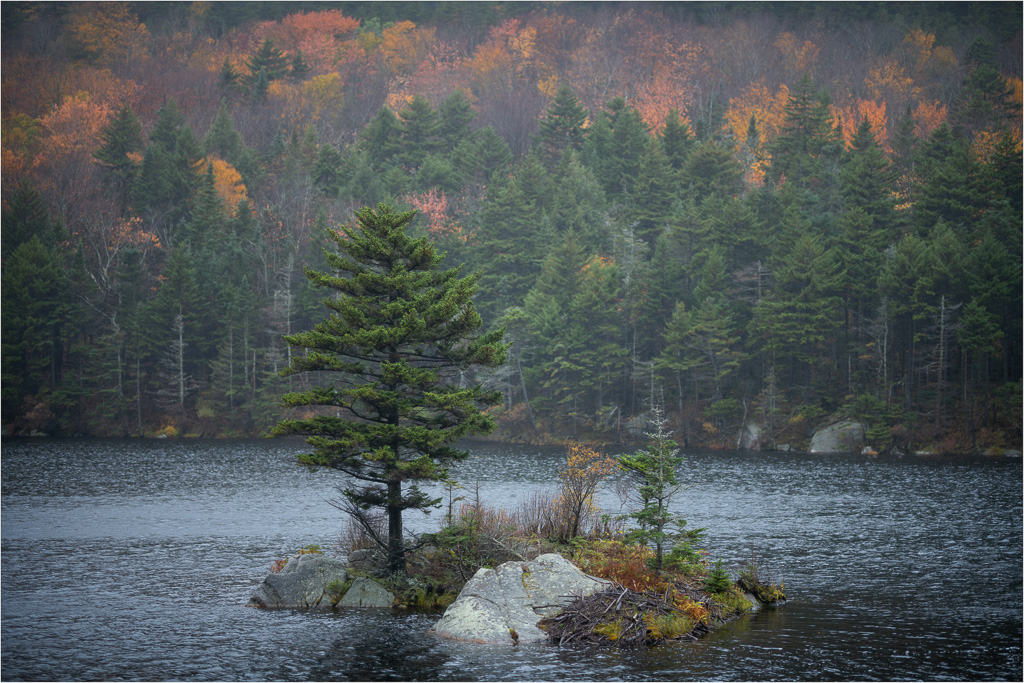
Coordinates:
x,y
517,603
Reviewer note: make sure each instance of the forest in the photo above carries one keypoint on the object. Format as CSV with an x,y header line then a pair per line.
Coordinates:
x,y
771,214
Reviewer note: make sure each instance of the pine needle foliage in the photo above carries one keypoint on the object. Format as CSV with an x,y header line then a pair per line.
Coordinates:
x,y
400,338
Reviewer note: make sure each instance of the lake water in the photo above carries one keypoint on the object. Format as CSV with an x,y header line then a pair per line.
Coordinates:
x,y
125,559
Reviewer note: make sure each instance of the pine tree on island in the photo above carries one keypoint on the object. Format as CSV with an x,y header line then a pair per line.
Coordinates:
x,y
396,347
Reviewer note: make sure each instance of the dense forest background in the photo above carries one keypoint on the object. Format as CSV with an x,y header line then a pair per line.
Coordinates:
x,y
747,213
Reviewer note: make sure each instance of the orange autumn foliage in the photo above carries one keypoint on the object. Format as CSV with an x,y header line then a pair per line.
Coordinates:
x,y
874,112
434,206
404,45
228,182
670,86
769,112
798,57
928,116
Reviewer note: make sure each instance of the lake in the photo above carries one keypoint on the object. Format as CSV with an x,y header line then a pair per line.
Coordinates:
x,y
133,559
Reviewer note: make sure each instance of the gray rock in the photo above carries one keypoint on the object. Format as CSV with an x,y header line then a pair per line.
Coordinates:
x,y
366,560
841,437
302,583
366,593
784,447
750,436
513,598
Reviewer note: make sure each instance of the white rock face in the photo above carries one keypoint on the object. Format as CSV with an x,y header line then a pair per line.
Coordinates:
x,y
841,437
513,598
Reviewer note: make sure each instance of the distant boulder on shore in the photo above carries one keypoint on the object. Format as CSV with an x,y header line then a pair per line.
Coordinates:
x,y
841,437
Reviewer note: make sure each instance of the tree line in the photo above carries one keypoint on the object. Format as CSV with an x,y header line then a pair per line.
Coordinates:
x,y
775,255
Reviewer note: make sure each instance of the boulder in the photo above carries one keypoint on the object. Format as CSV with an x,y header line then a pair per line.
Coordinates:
x,y
366,593
750,436
367,559
302,583
841,437
503,605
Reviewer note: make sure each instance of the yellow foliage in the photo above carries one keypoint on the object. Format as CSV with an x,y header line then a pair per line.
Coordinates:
x,y
525,42
368,41
107,32
324,93
404,46
228,182
887,79
549,85
798,57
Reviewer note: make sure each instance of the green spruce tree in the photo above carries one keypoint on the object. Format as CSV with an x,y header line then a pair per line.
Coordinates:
x,y
400,334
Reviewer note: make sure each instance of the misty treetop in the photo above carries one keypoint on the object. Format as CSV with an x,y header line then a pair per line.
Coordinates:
x,y
741,214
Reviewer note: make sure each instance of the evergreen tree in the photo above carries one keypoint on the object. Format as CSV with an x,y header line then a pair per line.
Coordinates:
x,y
868,181
628,143
480,156
807,140
260,85
711,170
300,69
269,60
455,115
955,187
798,320
381,139
677,140
169,174
508,248
399,331
561,127
653,472
25,215
224,140
653,194
36,306
576,203
419,128
229,76
122,140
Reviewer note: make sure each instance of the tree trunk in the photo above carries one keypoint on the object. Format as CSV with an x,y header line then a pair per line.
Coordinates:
x,y
396,544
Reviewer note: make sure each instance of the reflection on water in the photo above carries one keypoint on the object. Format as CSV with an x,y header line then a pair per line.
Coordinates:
x,y
132,559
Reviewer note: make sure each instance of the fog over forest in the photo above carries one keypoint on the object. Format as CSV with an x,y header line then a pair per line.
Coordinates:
x,y
774,215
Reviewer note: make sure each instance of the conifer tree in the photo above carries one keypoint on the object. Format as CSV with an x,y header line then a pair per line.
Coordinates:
x,y
268,59
507,247
677,139
300,68
122,140
381,139
454,118
711,170
867,181
807,139
561,127
628,143
36,307
400,334
419,128
653,472
653,194
229,76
